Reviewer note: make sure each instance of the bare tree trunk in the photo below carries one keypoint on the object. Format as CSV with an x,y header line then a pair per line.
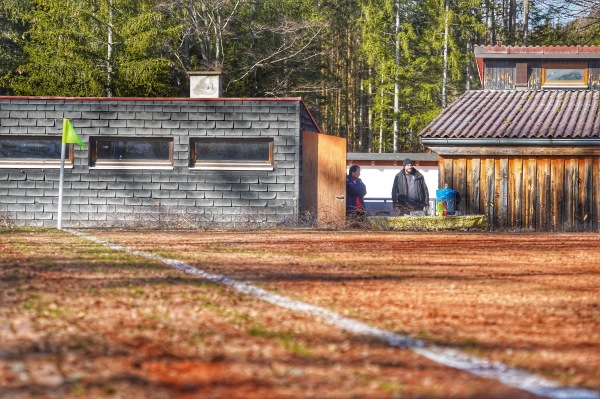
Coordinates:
x,y
109,53
525,21
370,111
396,83
512,21
205,46
361,106
492,16
469,71
254,85
185,34
218,39
381,124
445,71
505,17
347,99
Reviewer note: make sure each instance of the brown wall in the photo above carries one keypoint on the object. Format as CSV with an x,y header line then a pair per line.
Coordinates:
x,y
536,192
501,74
324,178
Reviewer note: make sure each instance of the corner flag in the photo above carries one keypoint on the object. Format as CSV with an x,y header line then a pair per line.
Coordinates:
x,y
70,135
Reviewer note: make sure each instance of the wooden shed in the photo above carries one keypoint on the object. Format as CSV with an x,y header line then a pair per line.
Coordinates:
x,y
525,150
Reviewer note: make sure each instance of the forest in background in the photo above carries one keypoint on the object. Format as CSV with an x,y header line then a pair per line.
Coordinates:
x,y
373,71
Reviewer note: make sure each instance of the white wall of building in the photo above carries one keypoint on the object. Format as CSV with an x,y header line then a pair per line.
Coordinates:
x,y
379,179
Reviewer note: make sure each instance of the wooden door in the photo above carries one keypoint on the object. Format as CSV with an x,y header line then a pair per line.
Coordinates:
x,y
324,179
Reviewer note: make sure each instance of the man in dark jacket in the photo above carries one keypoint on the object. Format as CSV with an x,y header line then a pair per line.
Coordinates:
x,y
409,192
355,192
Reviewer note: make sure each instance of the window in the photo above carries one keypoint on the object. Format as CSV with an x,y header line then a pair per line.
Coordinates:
x,y
33,152
564,75
221,153
132,153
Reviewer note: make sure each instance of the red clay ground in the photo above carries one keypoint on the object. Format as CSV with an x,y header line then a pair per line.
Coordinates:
x,y
80,320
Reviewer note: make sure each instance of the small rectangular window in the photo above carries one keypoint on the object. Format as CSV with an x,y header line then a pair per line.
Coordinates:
x,y
33,152
565,75
135,153
222,153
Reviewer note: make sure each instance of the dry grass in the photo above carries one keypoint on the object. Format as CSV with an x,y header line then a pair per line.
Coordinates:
x,y
80,320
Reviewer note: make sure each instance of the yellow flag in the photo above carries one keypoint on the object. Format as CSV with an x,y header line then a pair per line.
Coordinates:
x,y
70,135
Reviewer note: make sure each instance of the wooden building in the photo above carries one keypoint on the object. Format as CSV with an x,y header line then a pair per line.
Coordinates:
x,y
525,150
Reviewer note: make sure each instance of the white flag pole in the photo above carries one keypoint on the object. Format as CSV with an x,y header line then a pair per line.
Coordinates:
x,y
60,184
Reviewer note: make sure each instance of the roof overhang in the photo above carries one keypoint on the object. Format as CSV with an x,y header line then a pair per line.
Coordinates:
x,y
370,156
513,147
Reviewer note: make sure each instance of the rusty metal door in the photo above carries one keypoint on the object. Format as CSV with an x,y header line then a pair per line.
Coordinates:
x,y
324,179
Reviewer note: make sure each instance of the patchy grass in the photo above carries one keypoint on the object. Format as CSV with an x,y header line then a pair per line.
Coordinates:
x,y
80,320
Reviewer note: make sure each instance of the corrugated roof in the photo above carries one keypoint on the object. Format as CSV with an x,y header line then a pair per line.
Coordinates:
x,y
519,114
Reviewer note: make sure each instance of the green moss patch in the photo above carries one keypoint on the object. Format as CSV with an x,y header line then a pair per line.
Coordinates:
x,y
428,223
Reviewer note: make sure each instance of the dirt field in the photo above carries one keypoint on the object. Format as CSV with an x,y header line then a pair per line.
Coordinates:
x,y
79,320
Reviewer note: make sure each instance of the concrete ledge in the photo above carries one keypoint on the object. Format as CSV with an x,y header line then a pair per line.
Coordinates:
x,y
415,223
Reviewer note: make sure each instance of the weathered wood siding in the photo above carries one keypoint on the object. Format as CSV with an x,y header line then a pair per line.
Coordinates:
x,y
594,75
499,75
534,81
544,193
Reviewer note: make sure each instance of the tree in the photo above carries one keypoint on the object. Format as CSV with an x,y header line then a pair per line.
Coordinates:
x,y
11,42
276,51
94,48
373,71
416,72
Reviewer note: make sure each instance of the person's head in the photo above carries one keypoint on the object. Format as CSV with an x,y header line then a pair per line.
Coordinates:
x,y
408,167
354,171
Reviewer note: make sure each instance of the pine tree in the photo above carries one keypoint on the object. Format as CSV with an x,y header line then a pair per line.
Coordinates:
x,y
93,48
11,43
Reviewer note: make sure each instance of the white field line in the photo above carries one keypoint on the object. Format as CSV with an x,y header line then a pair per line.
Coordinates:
x,y
446,356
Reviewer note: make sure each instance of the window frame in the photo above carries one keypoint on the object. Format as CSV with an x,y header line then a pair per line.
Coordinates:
x,y
46,163
232,164
130,164
583,83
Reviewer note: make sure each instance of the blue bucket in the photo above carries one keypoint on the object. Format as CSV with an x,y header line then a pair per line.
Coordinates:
x,y
448,196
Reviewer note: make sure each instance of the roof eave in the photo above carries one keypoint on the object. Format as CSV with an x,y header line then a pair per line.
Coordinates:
x,y
451,142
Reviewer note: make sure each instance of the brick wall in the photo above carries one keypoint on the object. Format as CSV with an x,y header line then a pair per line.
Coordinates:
x,y
178,197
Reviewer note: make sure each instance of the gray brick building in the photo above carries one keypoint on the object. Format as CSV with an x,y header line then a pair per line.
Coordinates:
x,y
153,162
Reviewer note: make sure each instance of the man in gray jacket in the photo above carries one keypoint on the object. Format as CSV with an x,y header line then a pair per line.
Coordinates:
x,y
409,192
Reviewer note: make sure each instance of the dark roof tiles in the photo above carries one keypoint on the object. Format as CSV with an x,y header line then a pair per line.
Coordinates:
x,y
519,114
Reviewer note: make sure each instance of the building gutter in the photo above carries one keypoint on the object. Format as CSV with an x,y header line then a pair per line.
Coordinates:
x,y
509,142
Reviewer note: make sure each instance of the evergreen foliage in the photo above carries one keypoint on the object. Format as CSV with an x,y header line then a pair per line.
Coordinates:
x,y
347,59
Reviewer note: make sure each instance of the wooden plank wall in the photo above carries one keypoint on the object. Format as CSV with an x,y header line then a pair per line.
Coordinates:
x,y
324,178
544,193
594,75
500,75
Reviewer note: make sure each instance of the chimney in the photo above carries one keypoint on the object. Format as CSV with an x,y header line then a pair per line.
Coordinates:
x,y
205,84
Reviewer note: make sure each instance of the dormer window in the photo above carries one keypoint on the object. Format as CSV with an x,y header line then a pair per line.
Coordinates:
x,y
564,76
